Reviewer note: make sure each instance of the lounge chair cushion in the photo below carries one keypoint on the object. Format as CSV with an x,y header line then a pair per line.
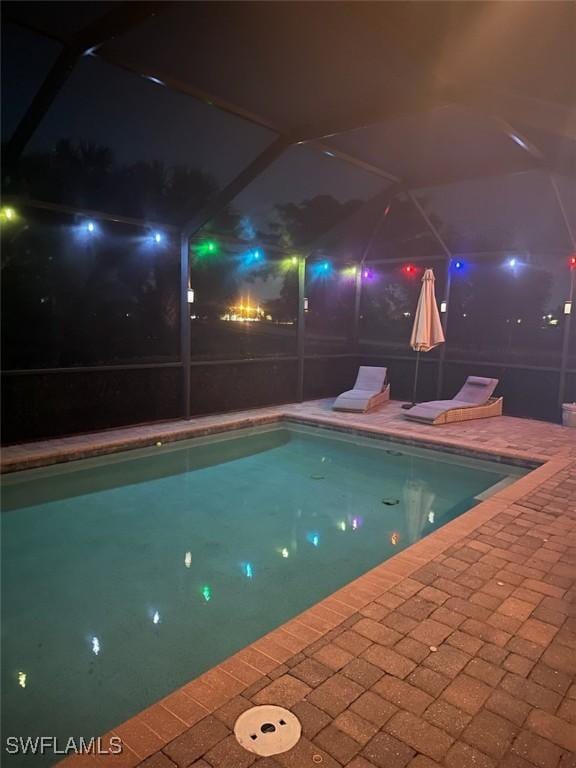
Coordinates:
x,y
370,379
370,382
430,411
476,390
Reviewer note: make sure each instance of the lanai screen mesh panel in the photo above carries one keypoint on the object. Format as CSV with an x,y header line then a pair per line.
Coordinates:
x,y
244,276
509,213
117,142
26,59
449,142
75,296
509,309
388,303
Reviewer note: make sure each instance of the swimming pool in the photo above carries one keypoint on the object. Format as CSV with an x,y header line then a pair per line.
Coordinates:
x,y
126,576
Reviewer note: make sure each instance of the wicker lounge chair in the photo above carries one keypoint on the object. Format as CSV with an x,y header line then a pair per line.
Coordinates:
x,y
370,391
474,401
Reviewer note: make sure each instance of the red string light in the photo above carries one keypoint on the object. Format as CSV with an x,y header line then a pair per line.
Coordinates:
x,y
409,269
573,262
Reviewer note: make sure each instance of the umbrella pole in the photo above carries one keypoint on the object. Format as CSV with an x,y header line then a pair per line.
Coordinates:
x,y
416,378
407,406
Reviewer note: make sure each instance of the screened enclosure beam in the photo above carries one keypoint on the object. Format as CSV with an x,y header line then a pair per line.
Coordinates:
x,y
88,213
437,236
422,103
189,89
355,161
41,103
237,185
551,117
381,199
212,100
301,328
462,178
358,283
560,203
568,319
185,336
117,21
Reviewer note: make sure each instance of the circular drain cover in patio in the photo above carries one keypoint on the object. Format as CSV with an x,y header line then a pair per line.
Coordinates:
x,y
267,730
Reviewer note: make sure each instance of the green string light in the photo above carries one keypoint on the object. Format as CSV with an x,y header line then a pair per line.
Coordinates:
x,y
207,248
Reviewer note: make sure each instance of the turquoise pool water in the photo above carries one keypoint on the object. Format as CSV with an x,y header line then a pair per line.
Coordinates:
x,y
124,577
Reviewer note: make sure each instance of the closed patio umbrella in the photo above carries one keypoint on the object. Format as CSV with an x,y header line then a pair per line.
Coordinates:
x,y
427,330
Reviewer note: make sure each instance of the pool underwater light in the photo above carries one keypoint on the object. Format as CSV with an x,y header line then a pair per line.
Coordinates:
x,y
206,593
247,570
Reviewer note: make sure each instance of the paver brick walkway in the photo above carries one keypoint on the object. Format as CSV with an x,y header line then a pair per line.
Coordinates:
x,y
471,661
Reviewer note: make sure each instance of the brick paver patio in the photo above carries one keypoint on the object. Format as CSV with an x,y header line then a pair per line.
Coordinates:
x,y
460,651
471,661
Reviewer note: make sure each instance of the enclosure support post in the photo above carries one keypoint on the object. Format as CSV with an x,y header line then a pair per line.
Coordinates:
x,y
357,306
202,217
568,319
444,320
185,352
301,328
448,252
